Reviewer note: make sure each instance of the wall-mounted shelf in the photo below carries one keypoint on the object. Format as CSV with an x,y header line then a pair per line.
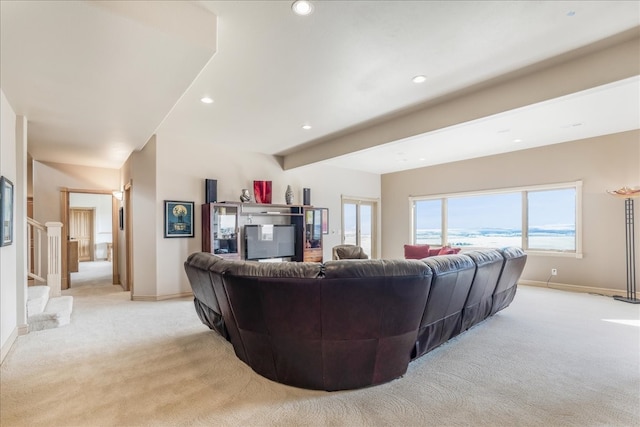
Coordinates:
x,y
269,209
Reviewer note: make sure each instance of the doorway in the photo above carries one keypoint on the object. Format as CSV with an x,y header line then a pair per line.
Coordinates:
x,y
90,233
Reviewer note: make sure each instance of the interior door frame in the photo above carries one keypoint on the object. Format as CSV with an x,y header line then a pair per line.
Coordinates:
x,y
128,238
64,203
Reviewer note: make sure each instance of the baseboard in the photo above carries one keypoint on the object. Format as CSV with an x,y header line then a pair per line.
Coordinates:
x,y
573,288
8,345
161,297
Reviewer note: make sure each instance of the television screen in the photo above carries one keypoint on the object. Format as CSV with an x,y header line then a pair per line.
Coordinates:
x,y
269,241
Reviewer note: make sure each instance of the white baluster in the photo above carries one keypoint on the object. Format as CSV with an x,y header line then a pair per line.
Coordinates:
x,y
54,277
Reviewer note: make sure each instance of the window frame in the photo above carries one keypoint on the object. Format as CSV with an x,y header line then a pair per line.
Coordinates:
x,y
523,190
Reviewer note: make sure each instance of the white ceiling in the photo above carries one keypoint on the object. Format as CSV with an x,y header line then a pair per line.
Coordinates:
x,y
97,79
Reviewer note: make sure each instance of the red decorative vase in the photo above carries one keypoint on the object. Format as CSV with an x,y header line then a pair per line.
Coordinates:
x,y
262,191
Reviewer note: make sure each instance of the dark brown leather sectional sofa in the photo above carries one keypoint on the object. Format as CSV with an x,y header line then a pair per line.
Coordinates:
x,y
349,323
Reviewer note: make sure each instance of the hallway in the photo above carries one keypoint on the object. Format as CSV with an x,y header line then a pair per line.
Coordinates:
x,y
92,273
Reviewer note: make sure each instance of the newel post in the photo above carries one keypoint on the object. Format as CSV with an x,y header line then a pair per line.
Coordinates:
x,y
54,275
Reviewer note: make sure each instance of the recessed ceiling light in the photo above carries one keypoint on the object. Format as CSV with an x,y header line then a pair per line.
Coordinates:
x,y
422,159
517,140
206,100
302,7
419,79
306,127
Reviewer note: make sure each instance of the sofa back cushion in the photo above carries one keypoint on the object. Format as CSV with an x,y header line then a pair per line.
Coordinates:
x,y
352,328
197,268
514,262
489,264
205,300
269,309
452,278
371,311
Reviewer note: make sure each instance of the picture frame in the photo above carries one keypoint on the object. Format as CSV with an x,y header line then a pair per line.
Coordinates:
x,y
6,211
325,220
178,219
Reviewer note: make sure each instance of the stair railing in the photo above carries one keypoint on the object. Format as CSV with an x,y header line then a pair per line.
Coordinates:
x,y
53,232
34,255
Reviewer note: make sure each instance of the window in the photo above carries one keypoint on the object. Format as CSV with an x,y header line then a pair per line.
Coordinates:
x,y
539,218
552,220
428,222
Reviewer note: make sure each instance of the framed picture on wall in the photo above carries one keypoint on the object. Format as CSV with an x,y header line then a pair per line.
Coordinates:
x,y
178,219
6,211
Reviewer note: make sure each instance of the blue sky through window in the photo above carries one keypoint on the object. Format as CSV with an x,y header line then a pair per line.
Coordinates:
x,y
495,220
502,211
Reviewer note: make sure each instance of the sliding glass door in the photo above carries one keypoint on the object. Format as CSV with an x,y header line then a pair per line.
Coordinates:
x,y
358,224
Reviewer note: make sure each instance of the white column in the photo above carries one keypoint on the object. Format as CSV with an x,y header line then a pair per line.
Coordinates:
x,y
22,241
54,275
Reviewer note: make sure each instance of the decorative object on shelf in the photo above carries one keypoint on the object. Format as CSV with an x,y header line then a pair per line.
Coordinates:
x,y
245,197
325,221
211,190
262,191
627,194
306,196
288,195
6,211
178,219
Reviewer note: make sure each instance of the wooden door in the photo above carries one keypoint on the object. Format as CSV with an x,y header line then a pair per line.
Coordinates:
x,y
81,229
73,256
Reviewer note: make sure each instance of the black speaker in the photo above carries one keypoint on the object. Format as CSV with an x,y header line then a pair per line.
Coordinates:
x,y
211,190
306,196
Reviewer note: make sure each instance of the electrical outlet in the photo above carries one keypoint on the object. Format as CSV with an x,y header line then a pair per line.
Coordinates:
x,y
554,271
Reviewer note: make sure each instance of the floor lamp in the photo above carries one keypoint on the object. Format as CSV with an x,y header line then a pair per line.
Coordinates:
x,y
628,194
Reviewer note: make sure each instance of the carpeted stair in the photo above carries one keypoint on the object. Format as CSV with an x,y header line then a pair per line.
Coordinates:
x,y
44,312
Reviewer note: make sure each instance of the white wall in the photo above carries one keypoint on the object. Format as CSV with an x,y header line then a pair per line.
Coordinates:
x,y
181,173
602,163
146,227
8,254
50,178
102,227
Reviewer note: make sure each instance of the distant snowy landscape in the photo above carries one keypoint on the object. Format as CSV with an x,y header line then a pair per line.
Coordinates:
x,y
552,238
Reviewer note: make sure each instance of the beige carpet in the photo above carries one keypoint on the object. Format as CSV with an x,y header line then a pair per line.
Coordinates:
x,y
92,273
551,359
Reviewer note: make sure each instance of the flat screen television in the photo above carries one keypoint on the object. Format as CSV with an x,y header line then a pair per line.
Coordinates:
x,y
269,241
